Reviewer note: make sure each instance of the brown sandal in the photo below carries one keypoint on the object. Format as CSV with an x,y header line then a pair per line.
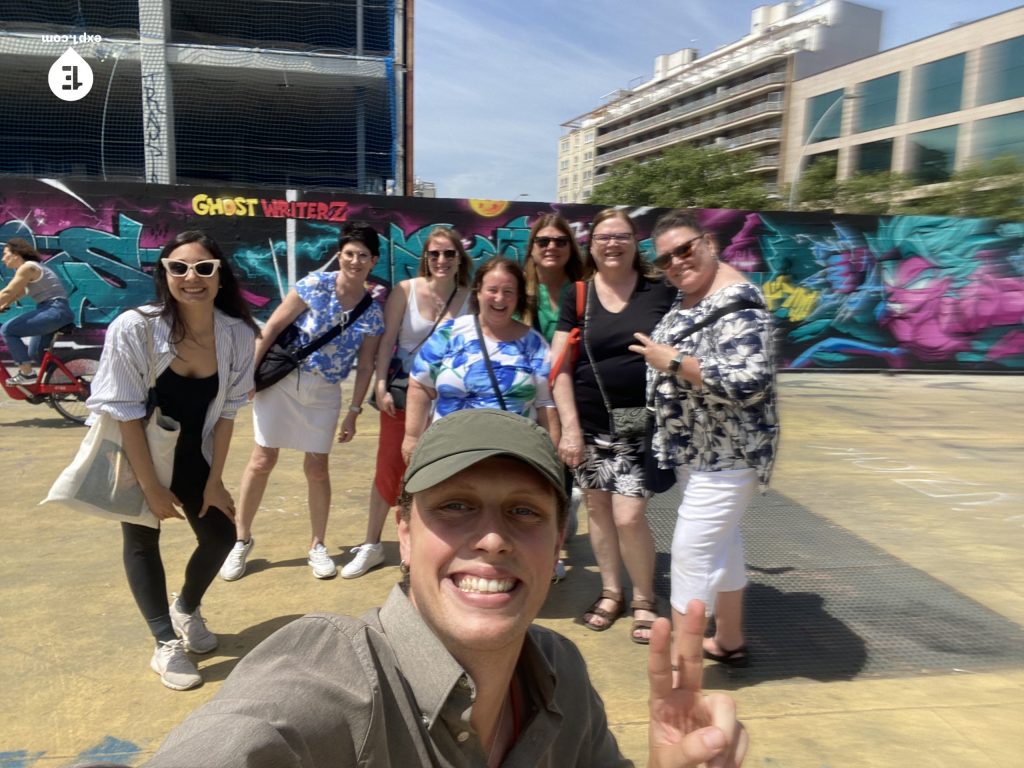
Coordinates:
x,y
608,616
641,624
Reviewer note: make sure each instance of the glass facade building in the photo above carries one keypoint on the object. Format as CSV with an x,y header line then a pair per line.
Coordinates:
x,y
1002,65
933,154
937,87
874,156
877,105
1001,136
824,117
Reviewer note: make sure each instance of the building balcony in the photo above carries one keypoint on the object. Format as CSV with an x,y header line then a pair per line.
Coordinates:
x,y
745,90
693,132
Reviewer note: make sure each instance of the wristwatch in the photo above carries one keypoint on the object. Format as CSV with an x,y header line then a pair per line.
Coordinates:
x,y
356,409
673,366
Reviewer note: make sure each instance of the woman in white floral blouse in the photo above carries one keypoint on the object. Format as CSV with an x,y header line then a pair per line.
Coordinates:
x,y
713,389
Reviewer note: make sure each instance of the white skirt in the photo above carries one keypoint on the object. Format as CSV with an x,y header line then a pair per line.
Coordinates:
x,y
300,411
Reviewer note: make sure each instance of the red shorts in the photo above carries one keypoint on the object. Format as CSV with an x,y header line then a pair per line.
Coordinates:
x,y
390,466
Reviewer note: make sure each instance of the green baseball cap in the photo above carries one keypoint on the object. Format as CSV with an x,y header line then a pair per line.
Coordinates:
x,y
464,438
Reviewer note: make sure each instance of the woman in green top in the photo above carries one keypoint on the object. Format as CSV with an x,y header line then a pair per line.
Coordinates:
x,y
554,263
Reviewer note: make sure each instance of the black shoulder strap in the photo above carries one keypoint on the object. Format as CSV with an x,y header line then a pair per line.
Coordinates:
x,y
487,362
718,314
355,314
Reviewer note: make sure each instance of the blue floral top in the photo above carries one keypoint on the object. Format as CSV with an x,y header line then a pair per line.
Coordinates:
x,y
731,421
334,360
451,363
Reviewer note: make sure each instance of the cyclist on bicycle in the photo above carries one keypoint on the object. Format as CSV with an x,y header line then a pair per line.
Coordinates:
x,y
52,311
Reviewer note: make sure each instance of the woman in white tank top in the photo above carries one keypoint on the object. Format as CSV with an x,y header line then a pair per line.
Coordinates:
x,y
414,308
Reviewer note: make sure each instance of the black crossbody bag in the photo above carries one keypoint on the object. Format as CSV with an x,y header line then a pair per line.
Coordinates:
x,y
286,352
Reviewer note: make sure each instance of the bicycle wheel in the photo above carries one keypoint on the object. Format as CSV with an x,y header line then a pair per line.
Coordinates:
x,y
82,363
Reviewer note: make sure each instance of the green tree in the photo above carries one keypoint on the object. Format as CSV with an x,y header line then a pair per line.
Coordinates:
x,y
988,189
817,187
686,177
876,193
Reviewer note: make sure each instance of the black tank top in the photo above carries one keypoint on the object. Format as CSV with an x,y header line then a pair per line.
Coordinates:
x,y
187,400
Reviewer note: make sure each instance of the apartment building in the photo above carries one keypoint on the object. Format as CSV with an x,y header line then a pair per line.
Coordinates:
x,y
925,109
291,93
735,97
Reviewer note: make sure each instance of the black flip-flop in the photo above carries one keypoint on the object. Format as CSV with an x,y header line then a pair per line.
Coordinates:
x,y
737,657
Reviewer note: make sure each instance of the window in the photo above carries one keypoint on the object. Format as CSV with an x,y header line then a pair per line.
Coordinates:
x,y
877,105
999,136
938,86
933,154
874,156
565,146
590,138
824,117
564,165
588,155
1002,67
563,183
587,175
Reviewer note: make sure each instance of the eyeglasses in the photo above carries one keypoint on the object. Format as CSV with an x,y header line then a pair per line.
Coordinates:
x,y
613,237
681,251
179,268
561,241
447,254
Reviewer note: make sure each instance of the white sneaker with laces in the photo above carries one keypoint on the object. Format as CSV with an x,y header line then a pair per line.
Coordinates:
x,y
22,378
234,563
191,627
175,670
321,563
367,556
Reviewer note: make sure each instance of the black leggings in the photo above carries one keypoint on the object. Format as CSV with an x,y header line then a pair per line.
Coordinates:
x,y
215,536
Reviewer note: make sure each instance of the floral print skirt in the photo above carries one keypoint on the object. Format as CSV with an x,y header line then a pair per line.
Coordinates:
x,y
612,465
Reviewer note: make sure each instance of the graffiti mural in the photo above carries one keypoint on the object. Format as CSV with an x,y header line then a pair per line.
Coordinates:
x,y
847,292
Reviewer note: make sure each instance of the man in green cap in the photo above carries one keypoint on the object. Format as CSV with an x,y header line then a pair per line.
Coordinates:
x,y
450,671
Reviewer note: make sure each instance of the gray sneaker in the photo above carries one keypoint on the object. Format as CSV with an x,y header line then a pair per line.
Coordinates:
x,y
367,556
191,627
234,563
321,563
175,670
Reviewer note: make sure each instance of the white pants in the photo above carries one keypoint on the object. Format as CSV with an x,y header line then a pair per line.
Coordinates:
x,y
707,546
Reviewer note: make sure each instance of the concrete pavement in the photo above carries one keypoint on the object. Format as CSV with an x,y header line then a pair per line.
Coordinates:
x,y
885,613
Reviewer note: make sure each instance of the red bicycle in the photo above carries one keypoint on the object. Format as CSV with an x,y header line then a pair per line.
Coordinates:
x,y
62,382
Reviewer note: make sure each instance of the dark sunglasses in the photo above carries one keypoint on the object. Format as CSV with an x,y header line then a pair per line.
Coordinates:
x,y
681,251
448,253
179,268
561,241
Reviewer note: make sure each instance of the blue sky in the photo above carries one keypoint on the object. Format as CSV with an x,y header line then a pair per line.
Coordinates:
x,y
494,80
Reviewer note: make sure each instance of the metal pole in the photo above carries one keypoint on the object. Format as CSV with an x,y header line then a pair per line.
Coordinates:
x,y
810,138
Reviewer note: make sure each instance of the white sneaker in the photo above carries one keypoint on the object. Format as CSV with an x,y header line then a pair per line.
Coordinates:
x,y
321,563
559,573
175,670
234,563
367,556
191,627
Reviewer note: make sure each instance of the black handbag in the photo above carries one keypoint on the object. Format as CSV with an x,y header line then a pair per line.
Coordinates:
x,y
286,352
397,380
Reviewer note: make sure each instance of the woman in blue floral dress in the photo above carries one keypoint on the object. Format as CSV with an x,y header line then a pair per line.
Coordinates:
x,y
717,421
450,367
301,410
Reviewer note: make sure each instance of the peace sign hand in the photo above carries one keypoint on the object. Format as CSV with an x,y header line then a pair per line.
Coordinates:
x,y
688,728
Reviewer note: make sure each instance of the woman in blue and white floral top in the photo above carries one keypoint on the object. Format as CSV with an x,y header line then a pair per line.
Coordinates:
x,y
301,410
717,422
450,367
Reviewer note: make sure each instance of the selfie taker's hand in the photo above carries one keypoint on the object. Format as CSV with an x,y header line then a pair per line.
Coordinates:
x,y
688,728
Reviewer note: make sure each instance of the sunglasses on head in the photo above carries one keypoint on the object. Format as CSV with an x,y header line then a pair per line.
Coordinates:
x,y
561,241
448,253
681,251
179,268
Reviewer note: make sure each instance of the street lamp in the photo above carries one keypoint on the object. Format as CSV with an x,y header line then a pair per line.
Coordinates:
x,y
810,138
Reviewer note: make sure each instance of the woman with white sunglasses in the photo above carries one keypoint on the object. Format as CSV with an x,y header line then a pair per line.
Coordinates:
x,y
198,338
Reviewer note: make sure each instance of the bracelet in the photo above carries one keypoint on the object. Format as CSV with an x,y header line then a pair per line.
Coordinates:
x,y
673,366
356,409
